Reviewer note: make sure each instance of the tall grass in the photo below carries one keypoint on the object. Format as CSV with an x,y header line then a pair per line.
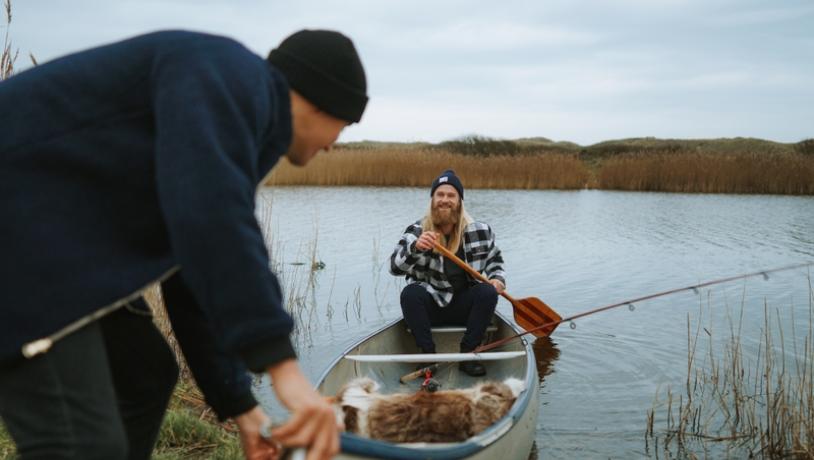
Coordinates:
x,y
742,405
190,430
789,173
7,56
7,448
418,167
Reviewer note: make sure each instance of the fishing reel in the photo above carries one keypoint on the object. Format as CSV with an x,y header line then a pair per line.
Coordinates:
x,y
430,385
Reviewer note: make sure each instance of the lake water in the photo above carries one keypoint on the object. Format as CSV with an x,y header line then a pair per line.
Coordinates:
x,y
575,250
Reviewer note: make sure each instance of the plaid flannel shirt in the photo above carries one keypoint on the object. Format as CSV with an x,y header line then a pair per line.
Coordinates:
x,y
427,267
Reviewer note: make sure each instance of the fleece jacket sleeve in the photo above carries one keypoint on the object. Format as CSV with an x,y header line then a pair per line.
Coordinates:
x,y
213,105
223,380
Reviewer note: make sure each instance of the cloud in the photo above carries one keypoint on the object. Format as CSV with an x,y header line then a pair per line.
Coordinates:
x,y
582,71
487,36
759,16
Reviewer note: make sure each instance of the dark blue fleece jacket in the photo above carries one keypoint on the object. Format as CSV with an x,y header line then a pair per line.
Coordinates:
x,y
124,161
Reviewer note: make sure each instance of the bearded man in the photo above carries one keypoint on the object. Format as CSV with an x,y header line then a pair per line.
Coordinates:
x,y
439,293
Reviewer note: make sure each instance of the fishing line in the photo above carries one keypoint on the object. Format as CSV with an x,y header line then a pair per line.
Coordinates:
x,y
631,303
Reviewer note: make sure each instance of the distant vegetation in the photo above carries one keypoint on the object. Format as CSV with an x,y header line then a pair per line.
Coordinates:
x,y
786,173
737,165
416,167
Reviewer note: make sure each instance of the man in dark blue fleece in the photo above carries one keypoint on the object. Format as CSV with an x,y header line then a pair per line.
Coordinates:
x,y
136,163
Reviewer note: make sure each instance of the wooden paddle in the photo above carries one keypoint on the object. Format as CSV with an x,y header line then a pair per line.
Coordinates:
x,y
529,313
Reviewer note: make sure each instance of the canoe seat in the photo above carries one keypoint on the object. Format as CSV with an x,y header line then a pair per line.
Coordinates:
x,y
444,329
437,357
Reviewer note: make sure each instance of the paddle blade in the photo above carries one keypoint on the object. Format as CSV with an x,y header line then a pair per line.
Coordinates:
x,y
531,313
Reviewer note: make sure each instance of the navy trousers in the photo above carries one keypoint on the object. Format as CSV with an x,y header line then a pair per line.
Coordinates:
x,y
99,393
472,307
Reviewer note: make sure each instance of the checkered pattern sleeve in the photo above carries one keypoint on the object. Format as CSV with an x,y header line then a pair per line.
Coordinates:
x,y
494,260
405,255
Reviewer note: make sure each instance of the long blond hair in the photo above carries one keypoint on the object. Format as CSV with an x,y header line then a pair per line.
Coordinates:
x,y
456,237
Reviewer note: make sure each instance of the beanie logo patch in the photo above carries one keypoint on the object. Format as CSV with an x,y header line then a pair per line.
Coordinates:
x,y
443,179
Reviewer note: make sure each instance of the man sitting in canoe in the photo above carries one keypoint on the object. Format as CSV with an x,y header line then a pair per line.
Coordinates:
x,y
439,292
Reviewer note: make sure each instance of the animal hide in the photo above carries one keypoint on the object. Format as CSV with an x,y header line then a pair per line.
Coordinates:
x,y
443,416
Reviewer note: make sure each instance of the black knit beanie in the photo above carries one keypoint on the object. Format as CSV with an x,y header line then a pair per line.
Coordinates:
x,y
323,66
448,177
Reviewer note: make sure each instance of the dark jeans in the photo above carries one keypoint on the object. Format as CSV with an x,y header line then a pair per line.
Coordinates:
x,y
100,392
472,307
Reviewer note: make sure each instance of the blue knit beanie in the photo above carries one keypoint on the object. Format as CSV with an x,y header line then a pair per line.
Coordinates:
x,y
448,177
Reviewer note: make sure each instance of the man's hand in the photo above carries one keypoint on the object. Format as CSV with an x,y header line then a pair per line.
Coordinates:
x,y
255,446
313,424
426,241
499,286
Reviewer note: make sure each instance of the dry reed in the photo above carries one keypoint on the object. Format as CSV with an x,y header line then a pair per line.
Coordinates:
x,y
689,172
739,405
417,167
155,299
7,56
709,173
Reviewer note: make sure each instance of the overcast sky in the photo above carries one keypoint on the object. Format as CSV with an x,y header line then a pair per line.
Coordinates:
x,y
583,71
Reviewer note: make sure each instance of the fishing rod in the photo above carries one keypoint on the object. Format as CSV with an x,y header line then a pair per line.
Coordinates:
x,y
629,303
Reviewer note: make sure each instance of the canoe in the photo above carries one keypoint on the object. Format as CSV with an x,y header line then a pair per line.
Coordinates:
x,y
384,357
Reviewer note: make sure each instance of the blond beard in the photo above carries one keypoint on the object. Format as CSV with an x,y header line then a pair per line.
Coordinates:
x,y
445,216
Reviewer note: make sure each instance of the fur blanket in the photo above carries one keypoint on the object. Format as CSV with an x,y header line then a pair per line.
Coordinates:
x,y
443,416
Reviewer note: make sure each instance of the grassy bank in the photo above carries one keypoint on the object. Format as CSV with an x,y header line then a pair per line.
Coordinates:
x,y
737,165
191,431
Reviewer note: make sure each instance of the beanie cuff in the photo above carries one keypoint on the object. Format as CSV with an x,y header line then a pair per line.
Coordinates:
x,y
448,177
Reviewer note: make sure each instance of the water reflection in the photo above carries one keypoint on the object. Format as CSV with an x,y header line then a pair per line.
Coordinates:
x,y
545,354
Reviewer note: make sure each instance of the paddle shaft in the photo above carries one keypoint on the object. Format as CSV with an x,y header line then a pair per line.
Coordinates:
x,y
529,313
418,373
449,255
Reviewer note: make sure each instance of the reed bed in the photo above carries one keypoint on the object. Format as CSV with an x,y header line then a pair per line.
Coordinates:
x,y
418,167
787,172
742,404
791,173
